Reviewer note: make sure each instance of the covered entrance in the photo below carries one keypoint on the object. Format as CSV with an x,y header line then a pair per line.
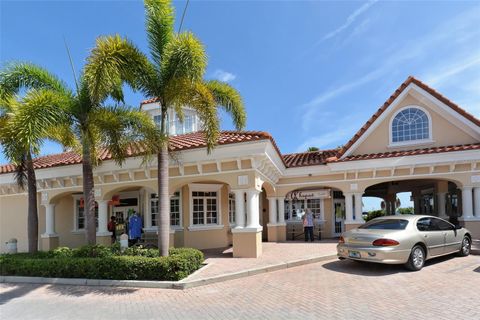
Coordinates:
x,y
434,197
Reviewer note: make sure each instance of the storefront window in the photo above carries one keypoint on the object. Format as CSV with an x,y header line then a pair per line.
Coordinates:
x,y
315,206
175,212
175,209
204,207
81,219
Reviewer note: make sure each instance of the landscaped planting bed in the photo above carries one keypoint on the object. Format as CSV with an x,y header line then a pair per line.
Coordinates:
x,y
99,262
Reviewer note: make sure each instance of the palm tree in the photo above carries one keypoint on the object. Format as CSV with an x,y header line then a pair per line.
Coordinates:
x,y
98,127
174,76
25,122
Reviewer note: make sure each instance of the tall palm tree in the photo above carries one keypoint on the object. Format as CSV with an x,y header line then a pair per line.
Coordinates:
x,y
174,76
25,122
98,126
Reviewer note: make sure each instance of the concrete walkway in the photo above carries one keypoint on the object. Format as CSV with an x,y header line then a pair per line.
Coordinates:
x,y
219,266
220,262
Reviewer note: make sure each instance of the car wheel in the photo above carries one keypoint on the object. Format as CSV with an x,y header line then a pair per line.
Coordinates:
x,y
416,259
466,246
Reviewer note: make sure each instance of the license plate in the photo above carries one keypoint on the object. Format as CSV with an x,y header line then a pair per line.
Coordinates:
x,y
354,254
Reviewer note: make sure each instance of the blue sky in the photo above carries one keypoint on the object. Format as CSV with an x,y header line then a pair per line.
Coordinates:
x,y
311,72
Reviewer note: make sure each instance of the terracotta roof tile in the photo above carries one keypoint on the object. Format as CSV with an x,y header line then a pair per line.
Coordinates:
x,y
389,101
151,100
176,143
403,153
309,158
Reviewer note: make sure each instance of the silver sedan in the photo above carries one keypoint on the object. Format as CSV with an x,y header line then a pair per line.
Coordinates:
x,y
404,239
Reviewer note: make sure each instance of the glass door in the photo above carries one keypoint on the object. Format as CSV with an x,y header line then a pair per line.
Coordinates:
x,y
338,216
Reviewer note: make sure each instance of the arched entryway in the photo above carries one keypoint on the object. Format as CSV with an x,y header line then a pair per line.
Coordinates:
x,y
327,204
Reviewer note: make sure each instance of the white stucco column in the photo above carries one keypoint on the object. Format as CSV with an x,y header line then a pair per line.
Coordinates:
x,y
281,209
102,218
476,202
441,198
239,208
253,214
358,208
272,210
49,220
467,204
348,209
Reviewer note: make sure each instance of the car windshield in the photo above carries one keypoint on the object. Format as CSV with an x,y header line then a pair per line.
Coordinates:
x,y
387,224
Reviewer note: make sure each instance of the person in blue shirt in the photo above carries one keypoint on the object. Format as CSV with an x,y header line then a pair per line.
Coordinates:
x,y
135,226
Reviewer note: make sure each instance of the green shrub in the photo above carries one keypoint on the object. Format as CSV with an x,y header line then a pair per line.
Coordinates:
x,y
374,214
95,251
408,210
62,252
57,264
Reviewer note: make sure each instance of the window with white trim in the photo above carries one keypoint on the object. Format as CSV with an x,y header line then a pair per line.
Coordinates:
x,y
80,217
231,208
188,124
316,206
409,125
175,209
204,208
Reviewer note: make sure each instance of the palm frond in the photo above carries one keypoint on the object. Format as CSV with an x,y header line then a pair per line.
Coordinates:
x,y
229,99
124,131
184,57
40,110
183,92
159,22
16,76
113,61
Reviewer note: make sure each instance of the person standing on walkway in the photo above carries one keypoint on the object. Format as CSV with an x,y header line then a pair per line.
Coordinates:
x,y
308,225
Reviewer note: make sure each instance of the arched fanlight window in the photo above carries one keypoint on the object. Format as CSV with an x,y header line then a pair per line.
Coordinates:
x,y
410,124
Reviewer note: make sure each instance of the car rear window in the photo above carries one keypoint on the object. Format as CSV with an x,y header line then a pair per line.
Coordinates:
x,y
387,224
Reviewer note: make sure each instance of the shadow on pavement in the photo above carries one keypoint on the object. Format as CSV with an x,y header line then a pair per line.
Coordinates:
x,y
17,291
376,269
78,291
477,270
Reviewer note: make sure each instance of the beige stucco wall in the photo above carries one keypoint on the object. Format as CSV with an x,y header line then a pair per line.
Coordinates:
x,y
64,224
13,221
444,133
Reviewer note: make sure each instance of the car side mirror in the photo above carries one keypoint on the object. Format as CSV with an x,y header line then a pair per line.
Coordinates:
x,y
458,227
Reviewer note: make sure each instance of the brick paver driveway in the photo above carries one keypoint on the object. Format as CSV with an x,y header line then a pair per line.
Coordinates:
x,y
447,288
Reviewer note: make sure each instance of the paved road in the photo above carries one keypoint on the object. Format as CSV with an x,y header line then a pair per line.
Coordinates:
x,y
447,288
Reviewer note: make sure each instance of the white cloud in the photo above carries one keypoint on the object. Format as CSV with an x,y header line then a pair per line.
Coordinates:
x,y
441,76
350,19
224,75
459,31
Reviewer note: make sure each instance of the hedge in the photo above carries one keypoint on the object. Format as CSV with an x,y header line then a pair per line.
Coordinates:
x,y
68,263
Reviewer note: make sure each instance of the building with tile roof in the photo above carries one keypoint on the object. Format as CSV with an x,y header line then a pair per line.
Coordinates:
x,y
246,191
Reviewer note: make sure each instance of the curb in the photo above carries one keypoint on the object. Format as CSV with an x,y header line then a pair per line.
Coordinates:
x,y
179,285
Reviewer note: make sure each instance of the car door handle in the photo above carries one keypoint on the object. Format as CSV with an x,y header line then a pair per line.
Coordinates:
x,y
426,236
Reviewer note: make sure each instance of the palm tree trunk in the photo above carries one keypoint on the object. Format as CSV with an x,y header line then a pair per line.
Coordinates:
x,y
163,202
89,195
32,207
163,196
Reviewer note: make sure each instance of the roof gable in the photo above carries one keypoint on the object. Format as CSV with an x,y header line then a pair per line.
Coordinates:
x,y
469,123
